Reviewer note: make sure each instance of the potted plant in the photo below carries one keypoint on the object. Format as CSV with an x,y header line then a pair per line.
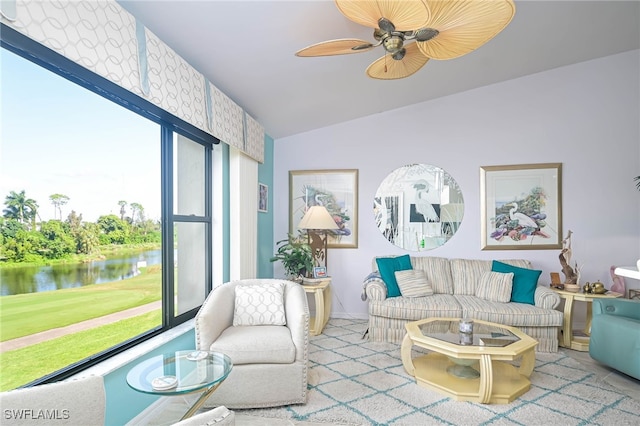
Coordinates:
x,y
296,257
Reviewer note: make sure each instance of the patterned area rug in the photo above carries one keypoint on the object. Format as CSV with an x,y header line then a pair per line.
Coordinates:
x,y
356,382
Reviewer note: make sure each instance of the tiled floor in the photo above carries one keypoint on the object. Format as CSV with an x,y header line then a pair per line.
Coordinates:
x,y
623,383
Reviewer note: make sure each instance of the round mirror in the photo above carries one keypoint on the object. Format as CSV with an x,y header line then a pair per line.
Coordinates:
x,y
418,207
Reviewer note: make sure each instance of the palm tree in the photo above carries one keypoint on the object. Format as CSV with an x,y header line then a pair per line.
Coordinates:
x,y
122,205
20,207
58,200
137,208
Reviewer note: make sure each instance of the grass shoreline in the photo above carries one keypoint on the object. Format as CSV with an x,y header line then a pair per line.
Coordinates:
x,y
105,251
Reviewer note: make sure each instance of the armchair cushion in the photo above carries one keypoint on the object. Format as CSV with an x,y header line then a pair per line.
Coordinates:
x,y
269,344
259,305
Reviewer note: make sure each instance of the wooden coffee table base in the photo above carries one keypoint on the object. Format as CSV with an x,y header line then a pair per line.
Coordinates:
x,y
507,382
498,381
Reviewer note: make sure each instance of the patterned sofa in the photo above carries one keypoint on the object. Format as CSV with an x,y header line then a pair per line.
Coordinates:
x,y
455,283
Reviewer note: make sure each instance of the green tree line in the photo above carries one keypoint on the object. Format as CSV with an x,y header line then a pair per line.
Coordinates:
x,y
26,238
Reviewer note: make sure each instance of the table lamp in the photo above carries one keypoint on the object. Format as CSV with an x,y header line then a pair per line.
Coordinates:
x,y
318,218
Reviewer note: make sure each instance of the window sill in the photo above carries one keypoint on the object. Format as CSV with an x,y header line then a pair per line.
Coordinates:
x,y
136,352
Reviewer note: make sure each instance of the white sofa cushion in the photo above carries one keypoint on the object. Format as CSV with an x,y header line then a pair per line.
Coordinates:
x,y
256,345
413,283
495,286
259,305
416,308
512,313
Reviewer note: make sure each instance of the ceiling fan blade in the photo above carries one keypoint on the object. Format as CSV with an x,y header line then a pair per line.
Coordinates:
x,y
386,25
464,25
336,47
406,15
387,68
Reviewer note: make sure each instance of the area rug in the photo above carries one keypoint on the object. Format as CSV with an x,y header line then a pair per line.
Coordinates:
x,y
356,382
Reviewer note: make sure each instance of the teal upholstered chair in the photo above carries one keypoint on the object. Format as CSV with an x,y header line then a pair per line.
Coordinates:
x,y
615,335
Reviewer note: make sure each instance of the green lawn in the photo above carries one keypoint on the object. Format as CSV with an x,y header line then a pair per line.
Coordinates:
x,y
25,314
24,365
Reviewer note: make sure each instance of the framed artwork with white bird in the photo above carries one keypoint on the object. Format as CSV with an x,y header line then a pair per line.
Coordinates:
x,y
521,206
337,191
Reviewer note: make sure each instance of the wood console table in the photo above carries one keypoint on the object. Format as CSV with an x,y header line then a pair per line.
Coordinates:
x,y
321,289
578,339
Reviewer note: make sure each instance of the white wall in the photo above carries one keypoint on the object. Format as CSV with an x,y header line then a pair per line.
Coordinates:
x,y
585,116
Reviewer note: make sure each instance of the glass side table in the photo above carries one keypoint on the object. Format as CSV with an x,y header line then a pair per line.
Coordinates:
x,y
181,373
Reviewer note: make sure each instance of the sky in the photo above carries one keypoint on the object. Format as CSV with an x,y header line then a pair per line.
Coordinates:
x,y
59,138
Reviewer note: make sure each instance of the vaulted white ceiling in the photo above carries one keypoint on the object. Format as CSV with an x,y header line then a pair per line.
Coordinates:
x,y
246,48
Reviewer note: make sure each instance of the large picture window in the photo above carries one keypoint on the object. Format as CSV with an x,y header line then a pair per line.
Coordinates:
x,y
105,233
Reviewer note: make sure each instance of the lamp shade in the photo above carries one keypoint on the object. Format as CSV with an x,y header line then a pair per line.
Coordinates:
x,y
317,217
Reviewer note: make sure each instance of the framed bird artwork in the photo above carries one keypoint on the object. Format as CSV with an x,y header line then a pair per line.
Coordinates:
x,y
521,206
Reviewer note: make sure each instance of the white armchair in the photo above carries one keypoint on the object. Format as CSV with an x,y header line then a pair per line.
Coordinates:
x,y
270,362
72,402
79,402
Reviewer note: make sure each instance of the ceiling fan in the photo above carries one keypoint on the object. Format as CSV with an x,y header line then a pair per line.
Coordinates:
x,y
413,31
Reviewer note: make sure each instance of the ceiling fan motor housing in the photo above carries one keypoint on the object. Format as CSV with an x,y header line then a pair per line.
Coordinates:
x,y
393,43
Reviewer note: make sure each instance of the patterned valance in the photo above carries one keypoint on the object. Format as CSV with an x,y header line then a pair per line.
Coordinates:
x,y
104,38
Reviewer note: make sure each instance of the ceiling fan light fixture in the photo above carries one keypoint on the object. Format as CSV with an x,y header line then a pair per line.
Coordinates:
x,y
392,44
399,54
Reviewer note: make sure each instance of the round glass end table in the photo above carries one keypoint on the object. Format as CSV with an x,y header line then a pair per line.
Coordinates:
x,y
180,373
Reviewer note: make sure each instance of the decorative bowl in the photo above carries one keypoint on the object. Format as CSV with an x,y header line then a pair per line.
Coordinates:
x,y
572,287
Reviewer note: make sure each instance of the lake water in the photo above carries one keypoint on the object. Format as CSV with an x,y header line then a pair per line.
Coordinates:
x,y
35,279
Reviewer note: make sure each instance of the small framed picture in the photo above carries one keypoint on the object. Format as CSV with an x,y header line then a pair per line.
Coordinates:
x,y
319,272
263,198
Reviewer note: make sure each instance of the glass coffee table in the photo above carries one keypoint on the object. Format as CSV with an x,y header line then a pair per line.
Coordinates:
x,y
181,373
470,366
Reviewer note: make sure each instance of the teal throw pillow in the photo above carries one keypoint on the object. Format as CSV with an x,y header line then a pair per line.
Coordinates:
x,y
525,281
388,267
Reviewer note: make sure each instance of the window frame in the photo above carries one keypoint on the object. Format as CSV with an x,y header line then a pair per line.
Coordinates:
x,y
41,55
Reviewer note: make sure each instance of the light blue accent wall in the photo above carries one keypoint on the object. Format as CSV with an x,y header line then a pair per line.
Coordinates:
x,y
265,220
124,403
226,215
